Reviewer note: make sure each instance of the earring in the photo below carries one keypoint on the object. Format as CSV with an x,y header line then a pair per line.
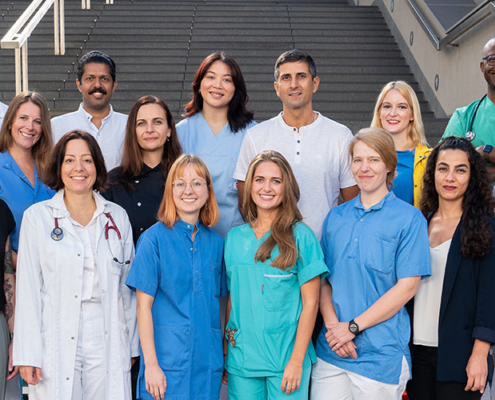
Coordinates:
x,y
168,138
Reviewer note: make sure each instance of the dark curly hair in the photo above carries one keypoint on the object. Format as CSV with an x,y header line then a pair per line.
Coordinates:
x,y
478,202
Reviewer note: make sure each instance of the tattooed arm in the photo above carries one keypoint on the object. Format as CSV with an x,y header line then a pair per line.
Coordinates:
x,y
9,289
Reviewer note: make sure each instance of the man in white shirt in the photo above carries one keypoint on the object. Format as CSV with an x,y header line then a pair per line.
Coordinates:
x,y
3,110
315,146
96,81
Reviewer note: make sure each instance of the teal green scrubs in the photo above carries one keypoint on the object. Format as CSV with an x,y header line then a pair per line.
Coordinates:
x,y
483,124
266,302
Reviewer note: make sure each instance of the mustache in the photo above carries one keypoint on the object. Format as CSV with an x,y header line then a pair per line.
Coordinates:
x,y
98,90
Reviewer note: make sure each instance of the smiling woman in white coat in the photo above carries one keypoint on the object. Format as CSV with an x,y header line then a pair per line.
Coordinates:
x,y
75,322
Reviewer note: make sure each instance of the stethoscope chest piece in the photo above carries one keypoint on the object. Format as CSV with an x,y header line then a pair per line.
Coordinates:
x,y
470,136
57,234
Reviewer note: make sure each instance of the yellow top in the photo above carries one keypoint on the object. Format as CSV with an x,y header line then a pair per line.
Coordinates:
x,y
420,157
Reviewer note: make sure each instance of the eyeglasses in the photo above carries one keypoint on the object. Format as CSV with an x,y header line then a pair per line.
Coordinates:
x,y
196,184
490,60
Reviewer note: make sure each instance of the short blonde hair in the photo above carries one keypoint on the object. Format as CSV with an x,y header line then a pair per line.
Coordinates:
x,y
167,213
416,130
381,141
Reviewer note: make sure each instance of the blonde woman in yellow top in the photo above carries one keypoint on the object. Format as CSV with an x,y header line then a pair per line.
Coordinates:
x,y
397,111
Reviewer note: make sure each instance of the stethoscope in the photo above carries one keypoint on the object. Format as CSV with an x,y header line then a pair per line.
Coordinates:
x,y
58,234
470,135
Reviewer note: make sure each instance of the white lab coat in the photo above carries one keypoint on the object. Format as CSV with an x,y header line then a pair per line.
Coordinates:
x,y
48,302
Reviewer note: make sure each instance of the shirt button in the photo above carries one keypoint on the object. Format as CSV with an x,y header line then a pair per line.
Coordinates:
x,y
103,292
189,226
139,204
72,337
79,255
141,229
361,219
137,181
67,378
297,153
295,129
298,141
355,240
106,332
192,249
75,296
197,272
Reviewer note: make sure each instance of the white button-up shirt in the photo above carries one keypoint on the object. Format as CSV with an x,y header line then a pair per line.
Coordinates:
x,y
110,136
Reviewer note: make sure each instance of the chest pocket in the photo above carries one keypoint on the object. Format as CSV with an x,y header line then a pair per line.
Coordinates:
x,y
278,291
114,250
381,253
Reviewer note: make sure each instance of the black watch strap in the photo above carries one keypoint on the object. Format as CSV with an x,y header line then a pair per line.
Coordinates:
x,y
354,328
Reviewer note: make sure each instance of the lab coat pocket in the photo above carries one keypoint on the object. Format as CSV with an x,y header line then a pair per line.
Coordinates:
x,y
116,254
235,346
279,344
216,350
126,347
172,344
380,254
277,291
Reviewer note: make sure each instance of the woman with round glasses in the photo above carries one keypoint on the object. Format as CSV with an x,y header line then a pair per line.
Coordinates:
x,y
216,120
453,313
179,277
75,320
274,266
398,112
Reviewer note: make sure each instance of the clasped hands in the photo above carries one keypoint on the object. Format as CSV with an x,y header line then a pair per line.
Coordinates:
x,y
341,340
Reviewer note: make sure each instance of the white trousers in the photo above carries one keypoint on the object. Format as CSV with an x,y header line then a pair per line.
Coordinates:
x,y
329,382
90,370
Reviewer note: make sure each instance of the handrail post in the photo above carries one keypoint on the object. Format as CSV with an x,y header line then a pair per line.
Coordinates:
x,y
56,27
62,27
17,59
24,56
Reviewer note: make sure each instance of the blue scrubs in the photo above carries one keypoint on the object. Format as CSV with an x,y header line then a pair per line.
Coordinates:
x,y
403,186
186,279
367,252
220,153
18,193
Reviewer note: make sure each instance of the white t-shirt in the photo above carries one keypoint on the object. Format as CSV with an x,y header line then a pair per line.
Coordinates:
x,y
318,155
428,298
3,110
110,136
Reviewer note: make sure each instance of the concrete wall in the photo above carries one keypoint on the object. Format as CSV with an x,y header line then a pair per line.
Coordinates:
x,y
460,78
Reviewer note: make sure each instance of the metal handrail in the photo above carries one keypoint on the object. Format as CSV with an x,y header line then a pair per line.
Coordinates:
x,y
470,20
17,36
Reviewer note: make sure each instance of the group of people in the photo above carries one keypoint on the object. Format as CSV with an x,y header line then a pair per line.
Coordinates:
x,y
220,220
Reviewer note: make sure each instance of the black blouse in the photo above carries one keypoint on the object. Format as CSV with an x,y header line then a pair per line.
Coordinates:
x,y
7,225
142,204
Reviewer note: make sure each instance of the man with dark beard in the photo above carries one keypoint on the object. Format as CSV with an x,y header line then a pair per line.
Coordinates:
x,y
96,82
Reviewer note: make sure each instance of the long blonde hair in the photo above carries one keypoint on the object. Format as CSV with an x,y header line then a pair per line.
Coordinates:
x,y
288,214
416,130
167,213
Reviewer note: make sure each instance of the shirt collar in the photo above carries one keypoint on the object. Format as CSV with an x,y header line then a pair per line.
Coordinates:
x,y
187,228
89,117
146,169
60,209
305,127
357,202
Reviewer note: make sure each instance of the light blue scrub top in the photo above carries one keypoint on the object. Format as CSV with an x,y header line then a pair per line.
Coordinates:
x,y
403,186
266,301
220,153
18,193
186,279
367,252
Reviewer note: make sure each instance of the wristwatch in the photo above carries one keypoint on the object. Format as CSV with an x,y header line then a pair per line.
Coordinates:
x,y
354,328
486,151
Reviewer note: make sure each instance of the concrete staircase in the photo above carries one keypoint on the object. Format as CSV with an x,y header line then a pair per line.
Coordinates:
x,y
158,45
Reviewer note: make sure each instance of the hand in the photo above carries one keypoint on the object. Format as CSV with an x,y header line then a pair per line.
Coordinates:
x,y
347,350
338,334
225,377
156,382
31,375
13,371
479,149
477,372
292,377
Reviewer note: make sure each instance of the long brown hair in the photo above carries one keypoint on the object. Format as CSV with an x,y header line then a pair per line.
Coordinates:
x,y
238,115
132,157
167,213
43,147
282,234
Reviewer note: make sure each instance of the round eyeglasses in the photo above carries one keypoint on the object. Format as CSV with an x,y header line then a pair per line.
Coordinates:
x,y
196,184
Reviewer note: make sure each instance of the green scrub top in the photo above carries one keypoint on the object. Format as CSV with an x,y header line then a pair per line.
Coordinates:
x,y
266,302
483,124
